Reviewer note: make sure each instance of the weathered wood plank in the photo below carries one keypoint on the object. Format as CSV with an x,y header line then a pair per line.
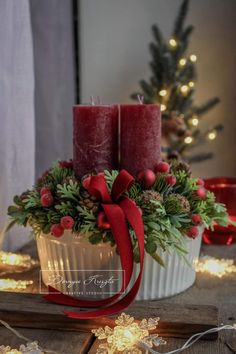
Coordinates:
x,y
32,311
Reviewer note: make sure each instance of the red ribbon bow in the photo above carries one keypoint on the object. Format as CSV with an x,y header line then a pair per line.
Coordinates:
x,y
119,210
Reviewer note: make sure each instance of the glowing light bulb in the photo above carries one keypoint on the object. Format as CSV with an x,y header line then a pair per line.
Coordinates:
x,y
188,140
182,62
184,89
191,84
212,135
162,93
173,42
216,267
163,107
127,335
193,58
195,121
11,284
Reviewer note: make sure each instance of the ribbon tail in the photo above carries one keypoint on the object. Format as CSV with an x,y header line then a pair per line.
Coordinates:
x,y
120,231
134,217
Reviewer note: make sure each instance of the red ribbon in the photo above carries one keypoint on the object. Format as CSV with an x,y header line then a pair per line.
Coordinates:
x,y
119,210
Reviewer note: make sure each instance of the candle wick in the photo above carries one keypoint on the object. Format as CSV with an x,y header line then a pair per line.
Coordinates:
x,y
92,102
98,100
140,99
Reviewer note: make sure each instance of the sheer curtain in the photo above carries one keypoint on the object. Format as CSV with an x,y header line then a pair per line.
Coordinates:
x,y
36,96
17,125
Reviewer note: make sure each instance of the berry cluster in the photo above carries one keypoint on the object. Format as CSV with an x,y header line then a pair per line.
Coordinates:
x,y
170,200
148,178
66,222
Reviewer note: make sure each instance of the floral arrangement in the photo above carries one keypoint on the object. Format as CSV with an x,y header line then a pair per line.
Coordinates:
x,y
173,205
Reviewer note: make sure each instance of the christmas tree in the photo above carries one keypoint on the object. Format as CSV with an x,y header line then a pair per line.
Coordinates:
x,y
172,85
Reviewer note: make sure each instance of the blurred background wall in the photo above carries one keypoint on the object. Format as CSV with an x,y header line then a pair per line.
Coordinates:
x,y
114,56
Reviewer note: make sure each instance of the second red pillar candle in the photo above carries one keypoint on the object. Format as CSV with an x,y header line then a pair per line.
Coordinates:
x,y
140,137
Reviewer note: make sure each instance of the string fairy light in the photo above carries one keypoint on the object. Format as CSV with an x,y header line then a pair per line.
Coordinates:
x,y
12,284
129,336
191,84
163,107
184,88
214,266
194,121
173,43
29,348
16,262
163,92
212,135
182,62
188,140
193,58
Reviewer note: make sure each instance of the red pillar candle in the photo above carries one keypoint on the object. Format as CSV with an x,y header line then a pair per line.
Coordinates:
x,y
95,138
140,137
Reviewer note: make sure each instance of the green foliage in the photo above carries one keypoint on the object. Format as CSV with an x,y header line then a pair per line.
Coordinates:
x,y
110,177
69,191
168,74
165,222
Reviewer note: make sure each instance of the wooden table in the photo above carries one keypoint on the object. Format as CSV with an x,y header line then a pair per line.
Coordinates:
x,y
207,290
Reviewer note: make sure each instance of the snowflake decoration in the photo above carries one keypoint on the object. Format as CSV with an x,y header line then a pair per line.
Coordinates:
x,y
216,267
30,348
127,336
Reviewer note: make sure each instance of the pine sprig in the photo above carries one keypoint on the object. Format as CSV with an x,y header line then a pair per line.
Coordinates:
x,y
69,191
166,210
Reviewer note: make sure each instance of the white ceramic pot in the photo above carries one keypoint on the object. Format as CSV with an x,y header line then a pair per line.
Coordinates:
x,y
75,267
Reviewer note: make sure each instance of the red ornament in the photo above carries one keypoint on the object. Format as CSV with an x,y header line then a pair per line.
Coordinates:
x,y
47,200
192,232
45,190
163,167
66,164
201,193
67,222
102,221
200,182
86,182
57,230
196,219
147,178
170,180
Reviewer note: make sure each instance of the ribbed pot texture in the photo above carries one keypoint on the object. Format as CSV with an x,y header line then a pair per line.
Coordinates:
x,y
74,266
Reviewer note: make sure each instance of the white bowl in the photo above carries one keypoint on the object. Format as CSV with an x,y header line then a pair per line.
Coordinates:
x,y
74,266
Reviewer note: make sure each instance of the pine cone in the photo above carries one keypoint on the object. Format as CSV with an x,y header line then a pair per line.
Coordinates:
x,y
69,178
178,165
176,204
89,202
149,195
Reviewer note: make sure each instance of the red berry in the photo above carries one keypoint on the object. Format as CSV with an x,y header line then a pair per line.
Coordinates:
x,y
66,164
47,200
67,222
147,178
40,179
86,182
200,182
163,167
170,180
201,193
57,230
45,190
102,221
192,232
196,219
